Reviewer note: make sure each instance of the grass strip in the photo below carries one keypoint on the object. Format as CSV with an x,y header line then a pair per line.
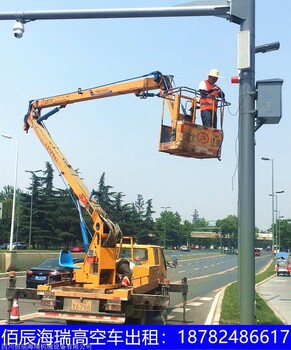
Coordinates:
x,y
230,313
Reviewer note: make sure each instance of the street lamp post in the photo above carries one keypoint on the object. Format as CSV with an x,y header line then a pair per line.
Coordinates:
x,y
276,210
273,220
14,190
31,203
277,219
165,233
279,229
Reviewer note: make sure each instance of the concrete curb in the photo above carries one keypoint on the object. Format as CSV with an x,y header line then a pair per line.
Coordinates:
x,y
269,305
214,313
218,300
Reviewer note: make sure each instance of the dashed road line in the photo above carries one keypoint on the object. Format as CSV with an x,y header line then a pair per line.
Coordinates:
x,y
195,303
179,309
206,298
206,276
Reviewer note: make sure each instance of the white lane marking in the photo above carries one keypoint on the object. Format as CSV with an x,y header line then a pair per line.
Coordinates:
x,y
206,276
195,303
206,299
179,309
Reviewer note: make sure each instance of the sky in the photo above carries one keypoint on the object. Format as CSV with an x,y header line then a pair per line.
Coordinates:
x,y
119,135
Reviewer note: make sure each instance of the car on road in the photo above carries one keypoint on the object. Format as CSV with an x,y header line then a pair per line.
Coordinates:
x,y
17,245
283,264
257,252
78,249
4,246
184,248
48,271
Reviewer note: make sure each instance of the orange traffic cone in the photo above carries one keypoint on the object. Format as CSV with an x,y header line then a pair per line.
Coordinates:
x,y
14,311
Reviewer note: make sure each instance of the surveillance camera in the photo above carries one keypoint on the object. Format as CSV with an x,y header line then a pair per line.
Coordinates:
x,y
18,30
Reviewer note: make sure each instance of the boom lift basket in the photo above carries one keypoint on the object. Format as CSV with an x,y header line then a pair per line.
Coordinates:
x,y
191,140
184,137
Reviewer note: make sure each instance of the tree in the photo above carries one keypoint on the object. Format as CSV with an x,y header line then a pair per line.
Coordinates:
x,y
105,197
229,230
168,229
185,239
6,193
139,204
195,216
47,181
285,234
29,207
66,221
6,198
148,232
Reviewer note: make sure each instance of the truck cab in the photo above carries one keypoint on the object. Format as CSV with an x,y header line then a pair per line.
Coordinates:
x,y
147,262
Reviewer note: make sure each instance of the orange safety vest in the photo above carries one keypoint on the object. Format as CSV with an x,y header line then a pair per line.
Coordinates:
x,y
209,103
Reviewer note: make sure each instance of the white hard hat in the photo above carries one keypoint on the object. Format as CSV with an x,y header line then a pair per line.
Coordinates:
x,y
214,73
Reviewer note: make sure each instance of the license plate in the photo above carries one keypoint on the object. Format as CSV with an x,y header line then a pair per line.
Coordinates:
x,y
40,278
81,306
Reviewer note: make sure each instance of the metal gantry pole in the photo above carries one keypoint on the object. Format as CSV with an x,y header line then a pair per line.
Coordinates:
x,y
243,13
220,8
273,208
246,176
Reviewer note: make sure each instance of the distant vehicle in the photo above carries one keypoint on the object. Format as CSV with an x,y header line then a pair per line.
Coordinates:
x,y
184,248
48,271
17,245
257,252
4,246
283,264
78,249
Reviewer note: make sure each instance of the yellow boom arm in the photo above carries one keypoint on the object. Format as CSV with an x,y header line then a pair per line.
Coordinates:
x,y
99,265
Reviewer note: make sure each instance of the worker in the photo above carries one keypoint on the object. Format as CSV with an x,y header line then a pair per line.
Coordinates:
x,y
123,269
209,93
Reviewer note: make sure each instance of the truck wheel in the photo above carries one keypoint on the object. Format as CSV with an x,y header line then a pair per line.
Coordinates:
x,y
74,322
140,319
